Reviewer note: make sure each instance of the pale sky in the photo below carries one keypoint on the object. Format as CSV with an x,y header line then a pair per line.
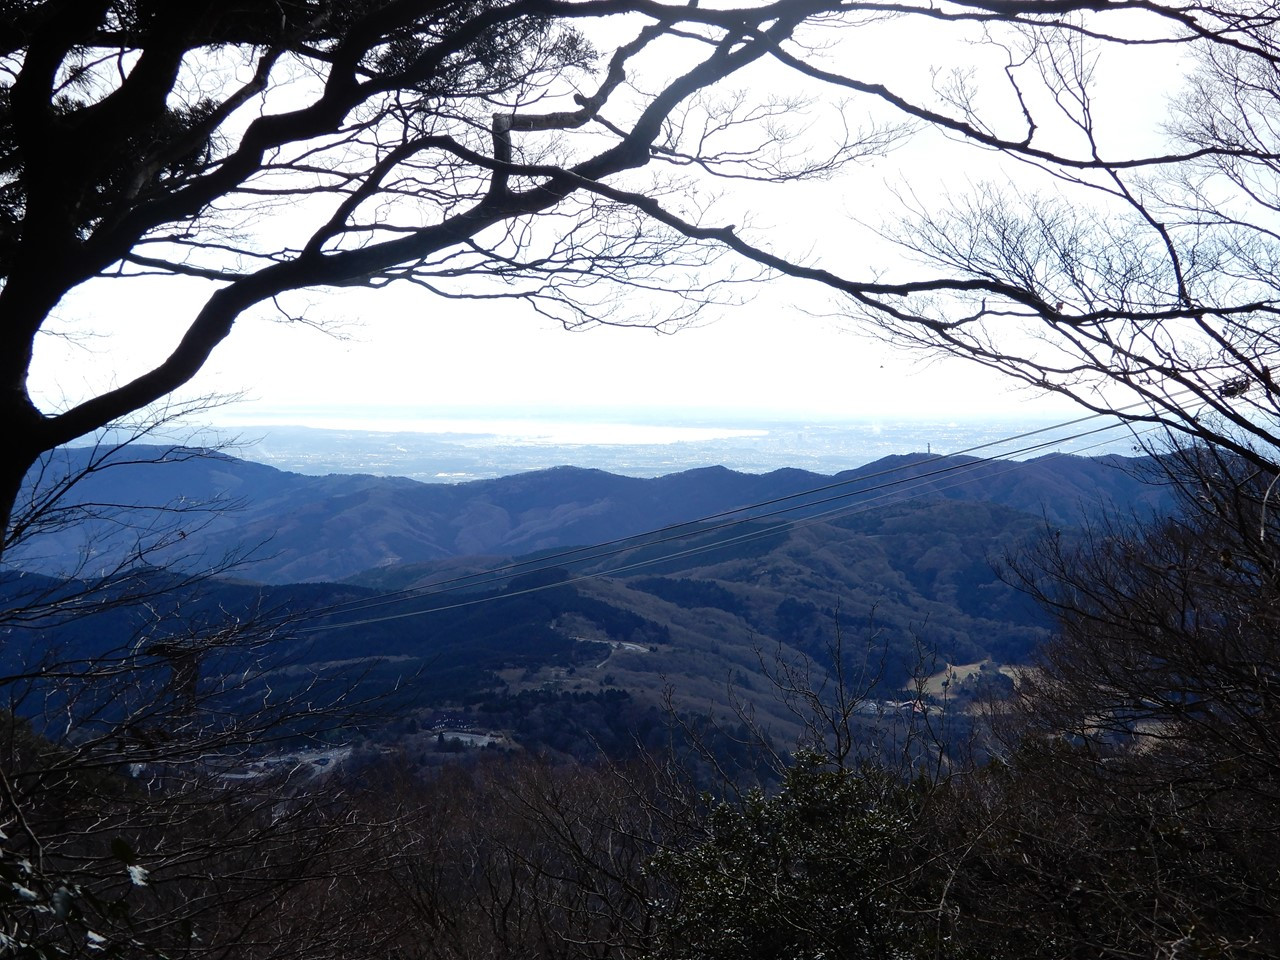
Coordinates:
x,y
400,348
775,356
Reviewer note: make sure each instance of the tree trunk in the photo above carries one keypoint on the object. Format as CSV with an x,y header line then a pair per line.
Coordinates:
x,y
25,441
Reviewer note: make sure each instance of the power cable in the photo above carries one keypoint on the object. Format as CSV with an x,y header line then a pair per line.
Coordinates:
x,y
574,555
862,505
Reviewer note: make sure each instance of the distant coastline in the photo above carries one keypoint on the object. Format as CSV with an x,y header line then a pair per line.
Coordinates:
x,y
453,450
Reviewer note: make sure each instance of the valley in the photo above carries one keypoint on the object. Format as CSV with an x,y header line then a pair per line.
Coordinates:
x,y
576,611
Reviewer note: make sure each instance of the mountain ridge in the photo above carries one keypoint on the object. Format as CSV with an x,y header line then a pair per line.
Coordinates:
x,y
326,528
898,557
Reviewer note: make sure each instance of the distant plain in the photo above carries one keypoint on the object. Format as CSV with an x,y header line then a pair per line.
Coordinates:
x,y
454,451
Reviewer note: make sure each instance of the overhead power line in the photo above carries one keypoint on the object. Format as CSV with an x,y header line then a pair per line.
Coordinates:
x,y
685,530
576,554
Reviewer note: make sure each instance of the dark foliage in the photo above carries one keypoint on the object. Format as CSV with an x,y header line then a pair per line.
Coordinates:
x,y
809,871
689,593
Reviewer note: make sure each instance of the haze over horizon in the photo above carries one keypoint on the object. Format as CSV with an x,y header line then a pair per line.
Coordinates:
x,y
425,445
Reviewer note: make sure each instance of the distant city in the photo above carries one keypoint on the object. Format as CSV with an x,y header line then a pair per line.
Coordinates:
x,y
454,452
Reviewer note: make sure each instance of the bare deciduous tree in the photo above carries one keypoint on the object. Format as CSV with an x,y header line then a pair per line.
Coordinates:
x,y
331,144
1139,279
1131,809
516,149
160,749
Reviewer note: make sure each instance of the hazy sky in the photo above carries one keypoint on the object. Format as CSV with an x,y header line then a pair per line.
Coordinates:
x,y
400,349
774,356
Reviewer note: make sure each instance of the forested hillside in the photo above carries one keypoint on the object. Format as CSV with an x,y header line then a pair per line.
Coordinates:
x,y
676,744
299,528
901,561
934,709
